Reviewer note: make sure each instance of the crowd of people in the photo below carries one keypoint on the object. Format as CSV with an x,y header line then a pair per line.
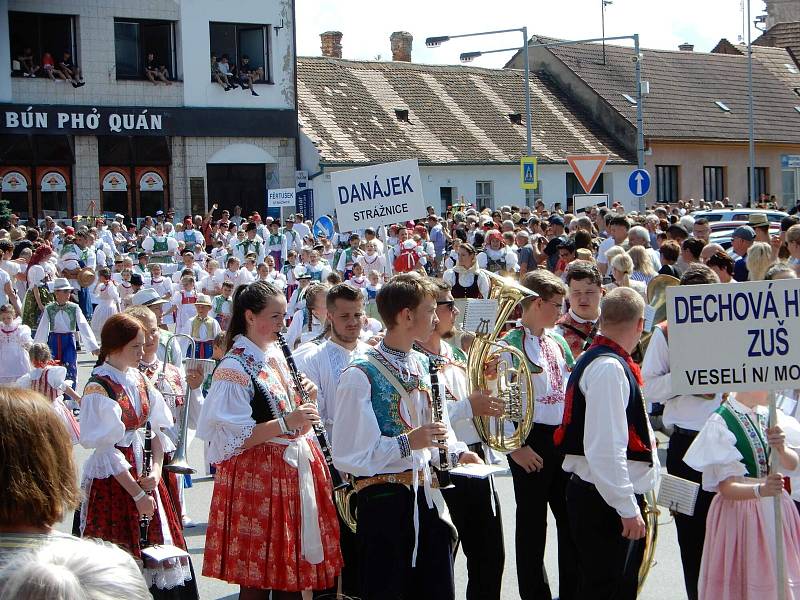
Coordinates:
x,y
344,354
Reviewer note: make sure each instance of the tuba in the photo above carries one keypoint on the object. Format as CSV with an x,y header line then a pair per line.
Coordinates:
x,y
510,380
179,463
650,516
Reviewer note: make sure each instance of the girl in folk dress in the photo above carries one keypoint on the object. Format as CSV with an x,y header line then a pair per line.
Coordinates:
x,y
108,300
357,279
183,302
125,289
732,452
15,339
117,403
272,523
40,272
371,294
50,379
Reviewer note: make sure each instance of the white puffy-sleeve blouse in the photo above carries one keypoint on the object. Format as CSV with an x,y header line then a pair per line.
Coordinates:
x,y
102,428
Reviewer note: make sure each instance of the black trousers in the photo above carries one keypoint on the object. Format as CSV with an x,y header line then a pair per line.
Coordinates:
x,y
350,573
480,534
385,540
691,530
533,492
608,563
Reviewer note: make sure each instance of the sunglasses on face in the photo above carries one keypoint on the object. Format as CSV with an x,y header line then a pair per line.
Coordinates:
x,y
450,304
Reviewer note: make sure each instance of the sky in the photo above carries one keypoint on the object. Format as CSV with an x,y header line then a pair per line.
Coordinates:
x,y
366,25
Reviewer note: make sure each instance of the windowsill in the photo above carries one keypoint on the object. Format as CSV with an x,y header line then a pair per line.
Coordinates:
x,y
146,80
255,82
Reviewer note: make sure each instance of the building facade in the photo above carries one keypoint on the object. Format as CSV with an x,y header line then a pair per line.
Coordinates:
x,y
695,114
465,125
131,145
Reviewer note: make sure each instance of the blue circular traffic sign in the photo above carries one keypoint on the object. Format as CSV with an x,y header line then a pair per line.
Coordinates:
x,y
639,183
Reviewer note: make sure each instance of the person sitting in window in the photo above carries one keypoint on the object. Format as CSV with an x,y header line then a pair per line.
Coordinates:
x,y
248,75
49,67
221,74
70,70
29,68
154,71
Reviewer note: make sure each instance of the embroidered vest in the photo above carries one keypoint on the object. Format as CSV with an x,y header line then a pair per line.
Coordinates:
x,y
116,392
383,396
197,322
750,439
188,299
162,246
70,308
270,398
575,333
569,436
496,265
473,291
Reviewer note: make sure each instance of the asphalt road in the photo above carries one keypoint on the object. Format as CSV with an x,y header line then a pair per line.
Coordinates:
x,y
665,581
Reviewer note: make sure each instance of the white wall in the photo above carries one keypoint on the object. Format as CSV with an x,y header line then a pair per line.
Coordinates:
x,y
198,89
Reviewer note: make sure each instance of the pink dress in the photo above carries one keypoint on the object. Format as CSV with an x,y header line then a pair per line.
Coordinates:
x,y
50,382
739,550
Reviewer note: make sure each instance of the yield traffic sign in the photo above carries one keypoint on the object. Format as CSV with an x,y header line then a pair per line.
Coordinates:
x,y
639,183
588,168
528,172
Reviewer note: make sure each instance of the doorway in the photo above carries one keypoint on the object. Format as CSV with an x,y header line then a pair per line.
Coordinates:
x,y
446,194
231,185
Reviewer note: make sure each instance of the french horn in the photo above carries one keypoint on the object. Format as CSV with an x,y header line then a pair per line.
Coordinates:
x,y
514,383
650,516
344,498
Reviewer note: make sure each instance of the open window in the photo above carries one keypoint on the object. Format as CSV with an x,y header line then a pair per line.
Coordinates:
x,y
134,39
238,41
40,36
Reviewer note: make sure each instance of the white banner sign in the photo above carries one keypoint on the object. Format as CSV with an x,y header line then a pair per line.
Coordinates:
x,y
280,197
582,202
734,336
53,182
378,195
151,182
115,182
14,181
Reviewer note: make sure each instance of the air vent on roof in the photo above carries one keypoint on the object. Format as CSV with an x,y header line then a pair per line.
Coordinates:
x,y
791,68
797,108
797,91
401,114
630,99
515,118
722,106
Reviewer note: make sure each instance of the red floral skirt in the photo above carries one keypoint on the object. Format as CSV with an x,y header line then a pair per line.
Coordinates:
x,y
254,525
111,514
171,481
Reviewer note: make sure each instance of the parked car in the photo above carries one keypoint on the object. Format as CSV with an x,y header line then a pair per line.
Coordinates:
x,y
738,214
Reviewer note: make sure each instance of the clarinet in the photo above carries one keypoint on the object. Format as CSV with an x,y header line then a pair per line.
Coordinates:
x,y
147,459
319,428
438,415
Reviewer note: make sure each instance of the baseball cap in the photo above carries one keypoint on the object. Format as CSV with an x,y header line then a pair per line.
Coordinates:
x,y
745,232
556,220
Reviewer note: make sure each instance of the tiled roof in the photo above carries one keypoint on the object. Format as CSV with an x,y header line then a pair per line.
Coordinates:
x,y
684,89
782,35
456,115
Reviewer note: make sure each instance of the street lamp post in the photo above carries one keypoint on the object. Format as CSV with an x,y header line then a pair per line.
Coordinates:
x,y
751,134
433,42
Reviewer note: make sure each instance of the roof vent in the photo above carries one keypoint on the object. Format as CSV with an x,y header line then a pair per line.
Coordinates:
x,y
791,68
630,99
401,114
515,118
722,106
686,47
797,91
797,108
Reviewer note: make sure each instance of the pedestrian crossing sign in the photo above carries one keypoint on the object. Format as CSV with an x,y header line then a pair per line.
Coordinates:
x,y
528,173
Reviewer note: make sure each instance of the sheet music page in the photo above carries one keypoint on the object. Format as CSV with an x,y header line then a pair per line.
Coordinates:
x,y
677,494
479,471
649,315
480,316
160,553
204,364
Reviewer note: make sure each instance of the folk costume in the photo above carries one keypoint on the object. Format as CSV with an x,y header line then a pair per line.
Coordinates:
x,y
473,503
305,327
501,262
610,452
115,407
39,277
221,310
183,303
686,415
370,302
107,305
739,552
203,330
323,364
578,332
404,533
549,359
466,284
15,339
59,324
272,523
246,246
277,247
50,382
72,259
161,249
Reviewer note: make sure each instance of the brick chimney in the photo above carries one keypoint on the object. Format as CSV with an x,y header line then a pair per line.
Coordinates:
x,y
686,47
401,46
331,44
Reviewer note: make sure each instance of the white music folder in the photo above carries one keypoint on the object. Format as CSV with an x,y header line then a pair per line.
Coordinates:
x,y
678,494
